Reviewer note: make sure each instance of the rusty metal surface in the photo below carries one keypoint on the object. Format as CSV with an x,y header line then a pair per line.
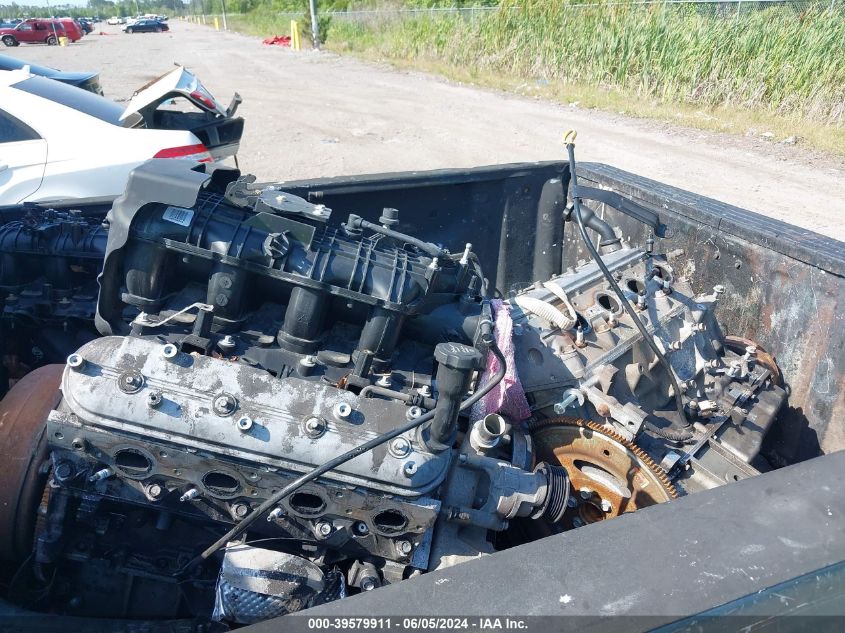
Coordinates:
x,y
23,416
785,289
602,467
737,345
785,285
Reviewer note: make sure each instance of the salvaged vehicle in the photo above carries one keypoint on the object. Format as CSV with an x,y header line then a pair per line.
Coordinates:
x,y
58,140
230,401
33,31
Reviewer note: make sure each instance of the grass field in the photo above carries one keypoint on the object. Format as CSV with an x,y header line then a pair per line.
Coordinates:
x,y
775,69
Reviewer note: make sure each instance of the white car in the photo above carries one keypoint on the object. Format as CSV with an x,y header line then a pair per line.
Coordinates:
x,y
115,20
59,142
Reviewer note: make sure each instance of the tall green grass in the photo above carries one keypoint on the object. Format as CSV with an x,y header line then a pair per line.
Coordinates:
x,y
263,22
783,60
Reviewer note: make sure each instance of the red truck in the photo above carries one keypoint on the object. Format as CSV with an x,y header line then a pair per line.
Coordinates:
x,y
35,31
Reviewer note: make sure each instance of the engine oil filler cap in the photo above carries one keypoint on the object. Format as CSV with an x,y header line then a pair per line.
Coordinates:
x,y
458,356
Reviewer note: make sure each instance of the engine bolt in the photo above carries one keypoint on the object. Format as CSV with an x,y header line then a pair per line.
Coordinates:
x,y
324,528
368,583
224,404
384,381
105,473
571,502
154,491
404,547
154,399
244,423
361,528
130,381
400,447
719,290
342,410
606,506
191,494
315,427
586,493
227,343
240,510
675,345
713,364
75,361
612,321
577,522
413,413
277,513
424,391
570,398
410,469
700,327
169,351
64,471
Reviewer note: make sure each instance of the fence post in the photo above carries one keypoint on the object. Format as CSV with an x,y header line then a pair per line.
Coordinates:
x,y
216,24
315,26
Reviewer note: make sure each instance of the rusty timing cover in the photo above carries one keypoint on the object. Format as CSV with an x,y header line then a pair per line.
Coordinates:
x,y
23,445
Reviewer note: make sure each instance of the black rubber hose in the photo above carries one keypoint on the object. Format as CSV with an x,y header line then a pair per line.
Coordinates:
x,y
357,222
593,221
677,435
274,500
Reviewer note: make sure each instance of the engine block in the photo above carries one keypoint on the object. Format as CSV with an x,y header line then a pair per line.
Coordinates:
x,y
247,337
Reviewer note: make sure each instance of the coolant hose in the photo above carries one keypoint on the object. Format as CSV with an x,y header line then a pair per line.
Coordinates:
x,y
293,486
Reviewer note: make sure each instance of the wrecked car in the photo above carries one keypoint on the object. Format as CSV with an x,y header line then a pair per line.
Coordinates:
x,y
60,142
233,401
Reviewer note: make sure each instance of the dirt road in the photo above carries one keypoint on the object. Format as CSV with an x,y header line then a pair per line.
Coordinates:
x,y
316,114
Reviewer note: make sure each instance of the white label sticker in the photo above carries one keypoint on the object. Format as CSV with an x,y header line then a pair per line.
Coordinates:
x,y
179,216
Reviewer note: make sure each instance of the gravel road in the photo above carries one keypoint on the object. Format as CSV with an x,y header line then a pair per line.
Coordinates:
x,y
316,114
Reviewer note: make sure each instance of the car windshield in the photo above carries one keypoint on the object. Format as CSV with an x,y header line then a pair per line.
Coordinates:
x,y
75,98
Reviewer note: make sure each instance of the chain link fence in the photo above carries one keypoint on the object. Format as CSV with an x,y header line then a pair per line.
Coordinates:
x,y
715,8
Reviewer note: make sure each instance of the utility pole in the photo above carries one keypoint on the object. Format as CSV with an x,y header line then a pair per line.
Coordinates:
x,y
225,26
315,27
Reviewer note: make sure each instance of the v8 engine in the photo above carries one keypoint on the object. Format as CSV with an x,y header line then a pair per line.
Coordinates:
x,y
283,406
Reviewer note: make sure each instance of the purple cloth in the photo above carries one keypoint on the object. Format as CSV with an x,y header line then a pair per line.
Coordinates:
x,y
508,397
